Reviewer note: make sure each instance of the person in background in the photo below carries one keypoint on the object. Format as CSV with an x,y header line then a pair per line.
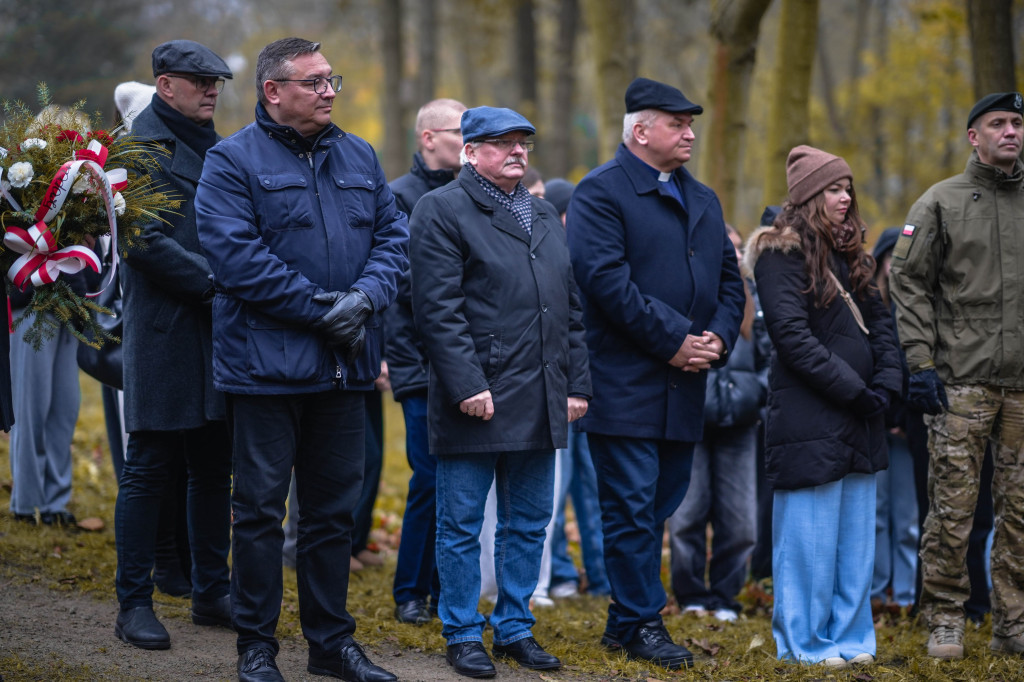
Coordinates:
x,y
663,300
173,415
416,588
497,309
896,523
533,181
958,286
306,245
835,367
723,483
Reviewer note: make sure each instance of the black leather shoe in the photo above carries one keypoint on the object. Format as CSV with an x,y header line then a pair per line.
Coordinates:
x,y
652,643
527,653
470,659
414,612
351,665
216,612
610,643
139,627
63,519
258,665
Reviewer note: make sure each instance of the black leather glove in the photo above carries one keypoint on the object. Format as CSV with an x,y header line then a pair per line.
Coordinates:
x,y
343,323
869,403
926,392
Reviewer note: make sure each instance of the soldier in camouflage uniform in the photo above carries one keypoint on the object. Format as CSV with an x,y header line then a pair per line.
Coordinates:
x,y
958,283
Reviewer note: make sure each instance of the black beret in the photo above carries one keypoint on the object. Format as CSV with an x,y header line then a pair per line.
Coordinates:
x,y
768,217
997,101
482,122
886,242
643,93
558,191
188,56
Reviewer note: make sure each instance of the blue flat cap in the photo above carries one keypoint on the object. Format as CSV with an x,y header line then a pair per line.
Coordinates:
x,y
996,101
643,93
482,122
188,56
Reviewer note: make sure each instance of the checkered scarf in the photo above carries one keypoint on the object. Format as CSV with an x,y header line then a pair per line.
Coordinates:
x,y
517,203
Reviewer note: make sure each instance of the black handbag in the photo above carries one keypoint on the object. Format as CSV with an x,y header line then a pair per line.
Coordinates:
x,y
105,363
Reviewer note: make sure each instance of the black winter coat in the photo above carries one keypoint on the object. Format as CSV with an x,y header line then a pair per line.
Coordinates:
x,y
168,346
407,361
821,362
497,309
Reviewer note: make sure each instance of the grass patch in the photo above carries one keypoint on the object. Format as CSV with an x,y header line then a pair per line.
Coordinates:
x,y
84,562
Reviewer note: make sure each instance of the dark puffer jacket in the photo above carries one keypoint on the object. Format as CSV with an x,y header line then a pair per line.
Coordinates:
x,y
821,362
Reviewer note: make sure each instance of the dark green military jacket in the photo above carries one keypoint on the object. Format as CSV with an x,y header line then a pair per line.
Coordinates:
x,y
958,278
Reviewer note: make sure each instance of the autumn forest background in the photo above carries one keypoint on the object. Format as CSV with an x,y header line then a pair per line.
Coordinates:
x,y
885,83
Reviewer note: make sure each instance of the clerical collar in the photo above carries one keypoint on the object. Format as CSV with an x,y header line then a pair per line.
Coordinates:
x,y
664,177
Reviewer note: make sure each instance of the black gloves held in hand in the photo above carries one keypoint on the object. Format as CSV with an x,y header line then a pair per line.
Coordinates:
x,y
870,402
343,323
926,392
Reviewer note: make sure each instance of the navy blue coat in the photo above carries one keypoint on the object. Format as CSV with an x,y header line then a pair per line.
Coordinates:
x,y
649,273
497,310
167,345
281,221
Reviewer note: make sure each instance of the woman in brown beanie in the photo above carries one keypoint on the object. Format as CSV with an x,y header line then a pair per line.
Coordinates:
x,y
835,365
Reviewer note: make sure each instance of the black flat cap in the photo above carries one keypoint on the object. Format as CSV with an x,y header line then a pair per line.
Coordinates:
x,y
997,101
643,93
188,56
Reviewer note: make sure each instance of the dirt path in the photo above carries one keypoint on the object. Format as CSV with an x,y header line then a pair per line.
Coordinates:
x,y
42,626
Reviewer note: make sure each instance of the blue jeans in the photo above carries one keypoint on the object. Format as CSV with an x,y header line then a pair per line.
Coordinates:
x,y
722,492
151,459
416,572
579,480
525,490
896,534
321,436
824,548
640,483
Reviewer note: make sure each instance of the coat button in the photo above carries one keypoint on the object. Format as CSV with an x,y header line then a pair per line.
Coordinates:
x,y
533,256
544,308
546,363
673,385
691,253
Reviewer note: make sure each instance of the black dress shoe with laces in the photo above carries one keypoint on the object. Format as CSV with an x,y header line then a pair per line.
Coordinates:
x,y
470,659
258,665
652,643
527,653
139,627
414,612
351,665
213,612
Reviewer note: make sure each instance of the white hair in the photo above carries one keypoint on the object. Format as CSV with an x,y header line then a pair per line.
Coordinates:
x,y
644,116
463,159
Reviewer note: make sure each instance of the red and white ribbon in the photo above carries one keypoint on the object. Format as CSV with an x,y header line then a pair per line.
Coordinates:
x,y
40,263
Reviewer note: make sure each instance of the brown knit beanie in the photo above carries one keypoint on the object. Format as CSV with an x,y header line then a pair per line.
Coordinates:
x,y
810,170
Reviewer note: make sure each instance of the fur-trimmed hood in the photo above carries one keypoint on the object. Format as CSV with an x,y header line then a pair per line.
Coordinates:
x,y
769,238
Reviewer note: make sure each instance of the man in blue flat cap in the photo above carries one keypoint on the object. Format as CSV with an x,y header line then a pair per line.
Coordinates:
x,y
663,300
497,309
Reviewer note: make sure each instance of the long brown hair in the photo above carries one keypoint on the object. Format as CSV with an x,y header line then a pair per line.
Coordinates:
x,y
810,221
749,311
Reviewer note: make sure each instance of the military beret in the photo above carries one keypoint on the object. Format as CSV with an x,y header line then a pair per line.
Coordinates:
x,y
188,56
558,191
643,93
483,122
997,101
769,214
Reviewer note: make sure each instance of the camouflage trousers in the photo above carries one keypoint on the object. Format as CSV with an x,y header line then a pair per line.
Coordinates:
x,y
977,416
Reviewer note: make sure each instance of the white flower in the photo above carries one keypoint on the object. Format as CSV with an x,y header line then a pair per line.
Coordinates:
x,y
82,184
20,174
33,143
119,204
3,152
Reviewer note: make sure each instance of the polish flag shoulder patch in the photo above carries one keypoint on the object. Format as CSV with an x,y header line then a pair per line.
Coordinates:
x,y
908,230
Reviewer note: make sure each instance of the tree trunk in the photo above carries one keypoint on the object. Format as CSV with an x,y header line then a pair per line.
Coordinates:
x,y
526,60
606,21
426,83
394,158
789,115
734,27
558,135
990,23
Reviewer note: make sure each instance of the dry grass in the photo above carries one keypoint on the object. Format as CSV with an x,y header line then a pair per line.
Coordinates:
x,y
84,562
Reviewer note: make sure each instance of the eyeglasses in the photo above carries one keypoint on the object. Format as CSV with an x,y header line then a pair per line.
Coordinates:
x,y
202,83
509,145
319,84
454,131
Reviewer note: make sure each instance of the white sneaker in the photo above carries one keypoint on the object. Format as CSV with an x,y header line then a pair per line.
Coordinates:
x,y
835,662
862,659
726,615
539,602
564,590
696,609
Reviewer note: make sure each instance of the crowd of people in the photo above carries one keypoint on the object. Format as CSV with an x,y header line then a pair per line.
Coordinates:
x,y
613,343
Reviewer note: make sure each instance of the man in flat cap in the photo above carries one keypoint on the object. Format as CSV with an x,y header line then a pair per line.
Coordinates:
x,y
498,312
958,283
306,245
663,300
173,415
